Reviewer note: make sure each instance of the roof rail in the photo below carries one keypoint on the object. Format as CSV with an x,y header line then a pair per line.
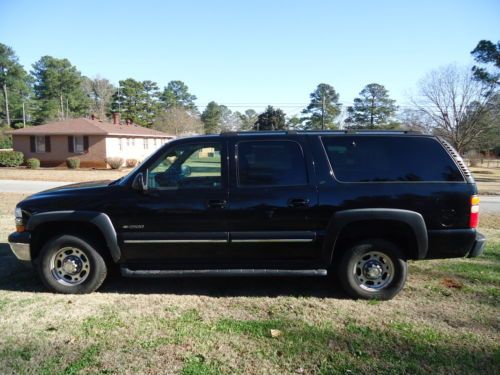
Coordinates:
x,y
343,131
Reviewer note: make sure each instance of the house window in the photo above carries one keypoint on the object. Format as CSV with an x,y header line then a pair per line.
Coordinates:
x,y
145,143
128,141
40,143
78,144
133,141
154,142
120,144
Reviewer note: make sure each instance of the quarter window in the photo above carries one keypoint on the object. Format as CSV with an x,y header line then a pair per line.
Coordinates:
x,y
271,163
382,158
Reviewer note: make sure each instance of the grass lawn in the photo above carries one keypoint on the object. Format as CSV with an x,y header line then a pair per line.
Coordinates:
x,y
446,321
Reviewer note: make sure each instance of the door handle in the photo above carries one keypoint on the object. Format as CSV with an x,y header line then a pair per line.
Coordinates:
x,y
298,202
217,203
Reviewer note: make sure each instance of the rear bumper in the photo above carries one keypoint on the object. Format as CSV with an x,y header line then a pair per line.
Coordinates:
x,y
478,247
455,243
20,245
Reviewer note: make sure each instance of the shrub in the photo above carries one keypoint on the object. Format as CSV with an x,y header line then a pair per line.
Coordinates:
x,y
33,163
131,163
73,163
11,158
114,163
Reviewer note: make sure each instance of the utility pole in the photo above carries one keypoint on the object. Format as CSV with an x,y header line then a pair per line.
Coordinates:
x,y
6,95
323,113
24,116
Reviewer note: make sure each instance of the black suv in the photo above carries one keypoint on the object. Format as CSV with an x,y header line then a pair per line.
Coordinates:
x,y
357,205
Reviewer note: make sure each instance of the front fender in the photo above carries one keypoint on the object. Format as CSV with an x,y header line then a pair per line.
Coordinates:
x,y
99,219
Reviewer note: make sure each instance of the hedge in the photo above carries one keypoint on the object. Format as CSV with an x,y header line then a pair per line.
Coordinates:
x,y
11,158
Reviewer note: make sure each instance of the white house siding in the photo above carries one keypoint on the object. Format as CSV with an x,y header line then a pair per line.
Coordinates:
x,y
132,147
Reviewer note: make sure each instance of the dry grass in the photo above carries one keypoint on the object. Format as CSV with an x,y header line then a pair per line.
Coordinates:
x,y
204,326
54,174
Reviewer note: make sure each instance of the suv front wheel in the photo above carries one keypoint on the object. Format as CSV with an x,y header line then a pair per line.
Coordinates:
x,y
373,269
71,265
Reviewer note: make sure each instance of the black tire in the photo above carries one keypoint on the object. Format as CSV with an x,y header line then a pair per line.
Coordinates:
x,y
89,268
362,257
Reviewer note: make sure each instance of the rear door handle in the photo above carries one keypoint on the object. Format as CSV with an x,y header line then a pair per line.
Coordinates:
x,y
298,202
217,203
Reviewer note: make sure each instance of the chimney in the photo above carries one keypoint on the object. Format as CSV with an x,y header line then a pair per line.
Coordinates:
x,y
92,117
116,118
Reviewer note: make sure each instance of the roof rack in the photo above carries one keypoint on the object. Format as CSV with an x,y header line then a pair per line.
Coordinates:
x,y
346,131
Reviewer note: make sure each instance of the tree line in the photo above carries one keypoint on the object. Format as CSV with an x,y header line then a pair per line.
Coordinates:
x,y
461,104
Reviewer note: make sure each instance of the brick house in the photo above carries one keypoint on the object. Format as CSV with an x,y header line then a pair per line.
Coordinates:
x,y
88,139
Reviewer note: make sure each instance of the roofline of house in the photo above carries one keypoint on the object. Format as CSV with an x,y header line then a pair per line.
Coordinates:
x,y
13,132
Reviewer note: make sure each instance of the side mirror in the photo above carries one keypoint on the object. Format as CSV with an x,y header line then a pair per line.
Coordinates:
x,y
185,171
140,182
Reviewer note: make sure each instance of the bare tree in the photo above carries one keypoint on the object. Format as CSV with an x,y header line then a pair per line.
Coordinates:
x,y
100,91
178,121
455,104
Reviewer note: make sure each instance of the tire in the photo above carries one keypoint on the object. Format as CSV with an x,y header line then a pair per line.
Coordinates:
x,y
373,269
70,264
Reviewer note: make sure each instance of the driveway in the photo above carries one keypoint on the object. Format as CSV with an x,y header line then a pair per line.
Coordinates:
x,y
28,187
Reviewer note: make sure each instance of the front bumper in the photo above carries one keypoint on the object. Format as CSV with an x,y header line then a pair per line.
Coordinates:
x,y
20,245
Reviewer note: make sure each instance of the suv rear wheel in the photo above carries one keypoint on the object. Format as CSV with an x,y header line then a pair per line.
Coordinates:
x,y
373,269
70,264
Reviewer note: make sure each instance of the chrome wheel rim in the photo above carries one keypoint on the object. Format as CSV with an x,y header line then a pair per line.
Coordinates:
x,y
70,266
373,271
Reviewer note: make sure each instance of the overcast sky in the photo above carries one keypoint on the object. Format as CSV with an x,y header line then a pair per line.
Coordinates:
x,y
247,54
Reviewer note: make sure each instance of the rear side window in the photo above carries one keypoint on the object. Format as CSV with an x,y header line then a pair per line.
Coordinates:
x,y
271,163
380,159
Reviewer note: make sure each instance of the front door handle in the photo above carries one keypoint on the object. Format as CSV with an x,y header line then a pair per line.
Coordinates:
x,y
217,203
298,202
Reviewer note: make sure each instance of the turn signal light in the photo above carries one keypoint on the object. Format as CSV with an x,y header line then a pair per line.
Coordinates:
x,y
19,228
474,212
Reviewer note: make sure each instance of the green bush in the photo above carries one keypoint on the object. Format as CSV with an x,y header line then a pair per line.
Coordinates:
x,y
114,163
33,163
11,158
73,163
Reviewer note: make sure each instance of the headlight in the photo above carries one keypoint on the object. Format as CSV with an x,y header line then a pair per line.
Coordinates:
x,y
19,216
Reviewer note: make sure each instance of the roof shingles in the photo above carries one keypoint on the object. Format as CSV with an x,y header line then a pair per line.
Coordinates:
x,y
85,126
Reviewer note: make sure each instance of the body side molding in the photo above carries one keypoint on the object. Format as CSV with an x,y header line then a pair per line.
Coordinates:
x,y
99,219
411,218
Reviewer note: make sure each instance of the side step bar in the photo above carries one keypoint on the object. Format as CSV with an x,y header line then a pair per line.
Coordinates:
x,y
220,272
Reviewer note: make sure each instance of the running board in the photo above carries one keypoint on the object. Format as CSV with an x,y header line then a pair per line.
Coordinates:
x,y
220,272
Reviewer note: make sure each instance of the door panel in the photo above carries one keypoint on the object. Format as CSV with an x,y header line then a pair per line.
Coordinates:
x,y
272,203
182,218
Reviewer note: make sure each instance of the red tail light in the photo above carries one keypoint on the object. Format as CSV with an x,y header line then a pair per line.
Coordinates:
x,y
474,212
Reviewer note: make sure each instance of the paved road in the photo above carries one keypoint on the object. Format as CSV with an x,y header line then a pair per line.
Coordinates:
x,y
28,187
489,203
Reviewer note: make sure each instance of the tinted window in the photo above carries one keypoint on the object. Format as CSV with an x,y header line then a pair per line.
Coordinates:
x,y
378,158
191,166
275,163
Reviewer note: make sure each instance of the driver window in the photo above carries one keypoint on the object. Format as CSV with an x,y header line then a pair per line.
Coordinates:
x,y
191,166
